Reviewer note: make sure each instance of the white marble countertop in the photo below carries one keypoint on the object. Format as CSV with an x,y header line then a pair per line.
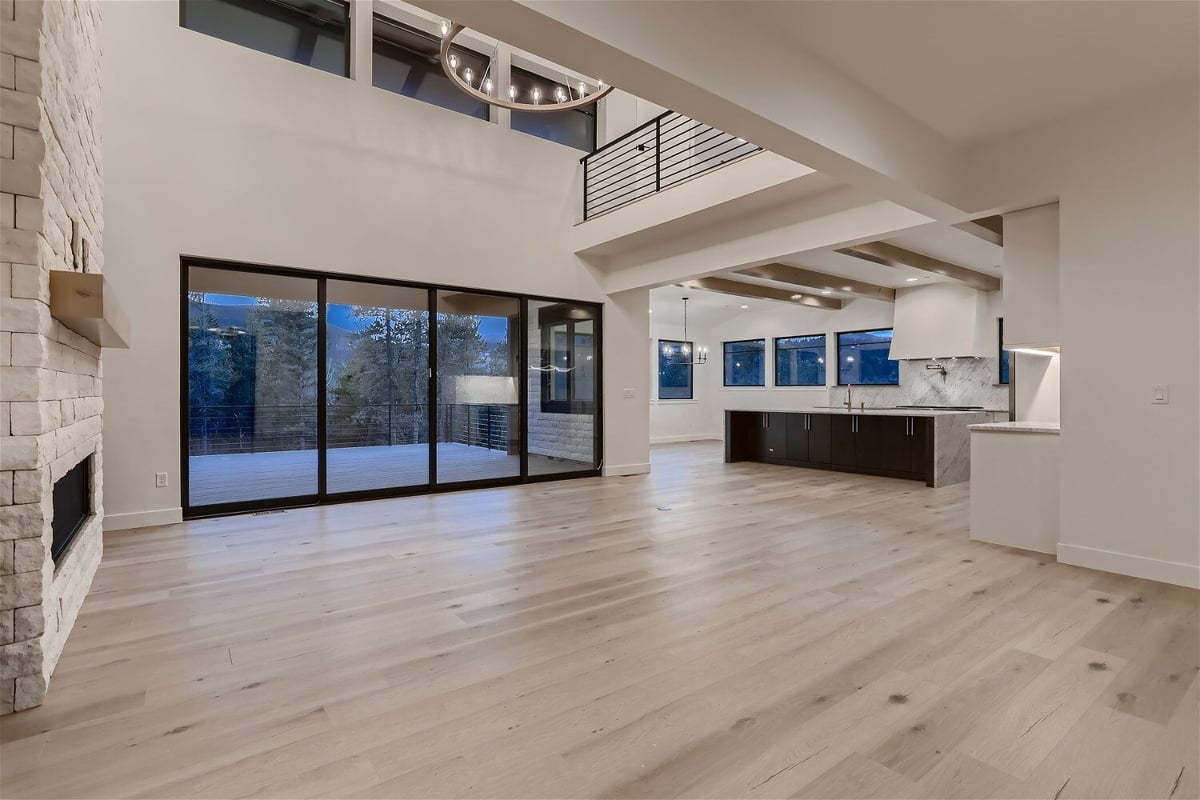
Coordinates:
x,y
1017,427
878,412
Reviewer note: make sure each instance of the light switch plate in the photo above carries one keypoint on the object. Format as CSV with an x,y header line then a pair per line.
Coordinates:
x,y
1160,394
160,479
630,393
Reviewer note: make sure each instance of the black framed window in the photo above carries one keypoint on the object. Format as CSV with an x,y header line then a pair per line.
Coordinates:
x,y
574,127
674,370
310,32
568,369
745,362
800,360
1003,354
863,358
406,61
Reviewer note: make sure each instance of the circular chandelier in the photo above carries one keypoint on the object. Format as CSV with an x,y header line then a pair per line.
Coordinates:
x,y
483,87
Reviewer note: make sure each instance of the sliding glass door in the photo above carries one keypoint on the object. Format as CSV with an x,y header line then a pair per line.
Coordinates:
x,y
303,387
478,411
251,388
563,410
377,379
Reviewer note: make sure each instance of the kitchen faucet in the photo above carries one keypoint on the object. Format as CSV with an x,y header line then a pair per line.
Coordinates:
x,y
849,405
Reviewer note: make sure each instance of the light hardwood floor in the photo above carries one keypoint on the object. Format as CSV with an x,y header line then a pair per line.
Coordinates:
x,y
778,632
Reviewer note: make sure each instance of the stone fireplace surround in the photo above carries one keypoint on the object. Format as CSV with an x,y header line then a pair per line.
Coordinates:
x,y
50,377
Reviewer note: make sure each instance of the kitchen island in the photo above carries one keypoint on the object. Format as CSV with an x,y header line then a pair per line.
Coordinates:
x,y
919,444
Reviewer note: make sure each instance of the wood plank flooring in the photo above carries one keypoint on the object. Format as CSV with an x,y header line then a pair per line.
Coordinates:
x,y
777,632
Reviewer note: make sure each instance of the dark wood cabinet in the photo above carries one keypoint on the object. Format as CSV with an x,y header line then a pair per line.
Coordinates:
x,y
797,437
842,448
879,444
774,436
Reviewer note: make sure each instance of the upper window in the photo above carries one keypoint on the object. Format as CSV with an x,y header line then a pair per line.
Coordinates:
x,y
568,360
745,362
311,32
575,127
863,358
800,361
674,370
1003,353
407,61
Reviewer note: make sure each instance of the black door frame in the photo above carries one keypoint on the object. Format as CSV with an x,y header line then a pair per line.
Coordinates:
x,y
323,496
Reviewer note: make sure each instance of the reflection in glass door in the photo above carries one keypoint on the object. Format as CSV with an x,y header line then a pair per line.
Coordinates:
x,y
563,422
478,413
377,373
251,387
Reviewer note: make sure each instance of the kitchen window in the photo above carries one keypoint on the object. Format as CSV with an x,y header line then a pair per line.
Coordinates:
x,y
309,32
674,370
745,362
800,360
1004,356
863,358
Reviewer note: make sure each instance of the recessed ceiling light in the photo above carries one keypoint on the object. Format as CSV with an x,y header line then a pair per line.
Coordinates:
x,y
827,291
745,306
910,280
847,288
797,297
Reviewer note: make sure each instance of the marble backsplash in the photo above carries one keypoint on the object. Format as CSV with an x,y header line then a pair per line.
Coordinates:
x,y
967,382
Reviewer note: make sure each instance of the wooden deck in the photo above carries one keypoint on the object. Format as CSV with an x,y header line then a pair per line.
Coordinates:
x,y
780,632
258,476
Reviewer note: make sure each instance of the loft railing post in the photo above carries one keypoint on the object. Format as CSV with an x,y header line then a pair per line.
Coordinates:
x,y
658,154
586,163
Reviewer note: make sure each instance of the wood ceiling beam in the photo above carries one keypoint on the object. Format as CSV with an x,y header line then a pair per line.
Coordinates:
x,y
799,276
754,290
891,256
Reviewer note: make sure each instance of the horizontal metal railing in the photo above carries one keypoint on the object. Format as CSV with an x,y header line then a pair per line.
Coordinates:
x,y
229,429
656,155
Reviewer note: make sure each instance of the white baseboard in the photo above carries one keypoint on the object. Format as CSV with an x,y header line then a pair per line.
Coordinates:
x,y
687,437
1125,564
611,470
142,519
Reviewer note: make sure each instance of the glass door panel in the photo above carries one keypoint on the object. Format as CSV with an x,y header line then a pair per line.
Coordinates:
x,y
478,423
377,374
562,387
252,387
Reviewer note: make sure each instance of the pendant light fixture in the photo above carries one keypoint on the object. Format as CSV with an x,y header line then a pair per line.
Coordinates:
x,y
701,355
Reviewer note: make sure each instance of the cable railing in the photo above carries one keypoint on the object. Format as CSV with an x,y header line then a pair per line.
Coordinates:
x,y
232,429
656,155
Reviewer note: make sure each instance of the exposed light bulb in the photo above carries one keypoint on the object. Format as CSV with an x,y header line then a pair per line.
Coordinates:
x,y
445,27
468,75
453,61
560,94
487,85
537,94
582,89
512,93
600,84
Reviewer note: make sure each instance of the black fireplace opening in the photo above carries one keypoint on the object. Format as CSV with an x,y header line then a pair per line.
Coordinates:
x,y
72,505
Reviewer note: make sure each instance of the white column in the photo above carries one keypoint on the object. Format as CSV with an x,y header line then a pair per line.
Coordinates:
x,y
361,13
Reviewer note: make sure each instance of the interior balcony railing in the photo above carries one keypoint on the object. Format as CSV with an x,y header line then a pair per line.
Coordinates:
x,y
656,155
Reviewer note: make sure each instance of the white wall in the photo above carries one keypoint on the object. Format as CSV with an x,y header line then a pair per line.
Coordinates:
x,y
1129,317
683,420
216,150
1037,387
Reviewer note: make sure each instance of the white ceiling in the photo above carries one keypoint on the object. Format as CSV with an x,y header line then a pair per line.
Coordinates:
x,y
980,69
704,308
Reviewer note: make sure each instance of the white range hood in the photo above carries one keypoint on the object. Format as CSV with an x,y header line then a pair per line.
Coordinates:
x,y
941,320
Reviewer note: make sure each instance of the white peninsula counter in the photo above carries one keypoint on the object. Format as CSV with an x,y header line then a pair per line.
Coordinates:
x,y
1014,484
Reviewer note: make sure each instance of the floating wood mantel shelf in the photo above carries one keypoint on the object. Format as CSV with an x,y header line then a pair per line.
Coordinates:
x,y
84,302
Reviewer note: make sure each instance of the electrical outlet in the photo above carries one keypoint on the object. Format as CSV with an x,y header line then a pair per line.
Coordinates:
x,y
630,393
1161,394
160,479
